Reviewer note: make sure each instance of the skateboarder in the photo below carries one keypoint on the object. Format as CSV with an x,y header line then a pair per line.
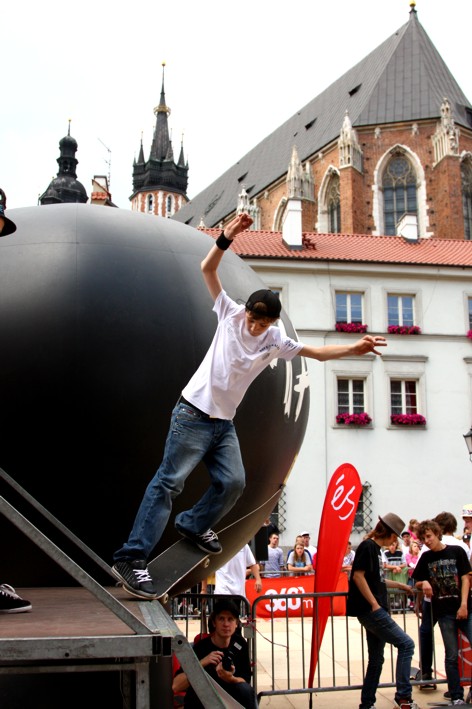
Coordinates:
x,y
245,342
368,600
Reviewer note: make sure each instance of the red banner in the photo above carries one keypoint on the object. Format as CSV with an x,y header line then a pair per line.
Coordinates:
x,y
339,509
281,607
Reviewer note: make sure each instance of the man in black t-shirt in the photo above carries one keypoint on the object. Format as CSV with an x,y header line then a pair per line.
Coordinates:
x,y
224,655
442,573
368,600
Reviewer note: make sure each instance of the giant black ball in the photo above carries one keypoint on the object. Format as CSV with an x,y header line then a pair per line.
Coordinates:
x,y
104,317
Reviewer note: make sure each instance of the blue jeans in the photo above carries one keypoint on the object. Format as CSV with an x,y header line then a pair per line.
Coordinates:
x,y
381,629
450,626
428,621
192,438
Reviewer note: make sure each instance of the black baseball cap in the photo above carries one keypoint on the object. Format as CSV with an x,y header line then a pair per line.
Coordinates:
x,y
265,303
8,226
226,605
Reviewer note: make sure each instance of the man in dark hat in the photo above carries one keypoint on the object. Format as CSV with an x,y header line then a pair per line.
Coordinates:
x,y
225,656
6,225
368,600
245,343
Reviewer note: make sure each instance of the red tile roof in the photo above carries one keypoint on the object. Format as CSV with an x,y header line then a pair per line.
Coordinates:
x,y
357,248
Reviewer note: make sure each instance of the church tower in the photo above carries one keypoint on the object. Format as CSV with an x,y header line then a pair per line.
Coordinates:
x,y
160,183
65,187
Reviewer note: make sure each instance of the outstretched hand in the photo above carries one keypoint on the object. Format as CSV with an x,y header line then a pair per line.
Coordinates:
x,y
369,344
237,225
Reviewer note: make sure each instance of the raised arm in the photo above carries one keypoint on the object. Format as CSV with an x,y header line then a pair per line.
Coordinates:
x,y
211,262
367,344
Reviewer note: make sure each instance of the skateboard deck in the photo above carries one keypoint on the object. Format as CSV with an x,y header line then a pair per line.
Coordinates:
x,y
174,564
182,565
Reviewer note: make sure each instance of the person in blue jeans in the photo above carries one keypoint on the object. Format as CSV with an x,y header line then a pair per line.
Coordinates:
x,y
245,343
443,574
368,601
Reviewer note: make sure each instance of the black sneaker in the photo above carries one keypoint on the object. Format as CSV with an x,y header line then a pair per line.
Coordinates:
x,y
208,541
135,578
427,681
11,602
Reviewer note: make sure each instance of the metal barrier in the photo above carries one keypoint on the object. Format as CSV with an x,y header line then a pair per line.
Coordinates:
x,y
340,645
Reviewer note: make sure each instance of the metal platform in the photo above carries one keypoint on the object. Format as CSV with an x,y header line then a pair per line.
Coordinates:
x,y
92,628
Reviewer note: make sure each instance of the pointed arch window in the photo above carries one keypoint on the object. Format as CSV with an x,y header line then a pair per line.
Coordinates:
x,y
169,205
333,204
466,175
399,185
150,204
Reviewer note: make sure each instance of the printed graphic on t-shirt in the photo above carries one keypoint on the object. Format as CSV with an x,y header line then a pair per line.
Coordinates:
x,y
381,568
444,578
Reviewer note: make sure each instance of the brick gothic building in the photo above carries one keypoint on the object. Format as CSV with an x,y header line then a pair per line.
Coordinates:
x,y
392,136
160,183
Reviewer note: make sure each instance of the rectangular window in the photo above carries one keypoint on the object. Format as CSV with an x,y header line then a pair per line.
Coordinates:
x,y
351,396
470,313
349,307
363,517
400,309
403,396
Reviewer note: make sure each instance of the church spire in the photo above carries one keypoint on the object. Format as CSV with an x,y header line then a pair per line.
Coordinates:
x,y
160,143
159,179
65,187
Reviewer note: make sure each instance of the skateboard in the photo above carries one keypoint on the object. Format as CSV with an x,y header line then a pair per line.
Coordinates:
x,y
176,563
182,565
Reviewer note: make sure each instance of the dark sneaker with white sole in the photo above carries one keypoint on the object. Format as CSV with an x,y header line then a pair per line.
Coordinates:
x,y
208,541
427,681
135,577
11,602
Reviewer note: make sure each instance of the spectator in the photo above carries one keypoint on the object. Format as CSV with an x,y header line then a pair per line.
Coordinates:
x,y
224,644
348,559
447,522
442,573
406,539
367,599
299,561
467,518
306,542
413,528
394,559
6,225
275,558
231,577
412,559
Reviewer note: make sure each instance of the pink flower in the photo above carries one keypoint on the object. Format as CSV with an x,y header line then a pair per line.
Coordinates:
x,y
469,334
407,420
351,327
362,419
404,330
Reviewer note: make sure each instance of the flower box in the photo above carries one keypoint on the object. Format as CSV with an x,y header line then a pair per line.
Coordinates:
x,y
469,334
351,327
404,330
408,420
354,419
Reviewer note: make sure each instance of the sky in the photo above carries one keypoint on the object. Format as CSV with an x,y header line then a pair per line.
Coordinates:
x,y
234,72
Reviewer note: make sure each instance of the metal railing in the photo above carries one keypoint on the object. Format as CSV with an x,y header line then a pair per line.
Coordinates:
x,y
340,644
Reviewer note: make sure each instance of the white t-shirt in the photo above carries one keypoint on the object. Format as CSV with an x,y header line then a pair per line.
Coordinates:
x,y
234,360
231,577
